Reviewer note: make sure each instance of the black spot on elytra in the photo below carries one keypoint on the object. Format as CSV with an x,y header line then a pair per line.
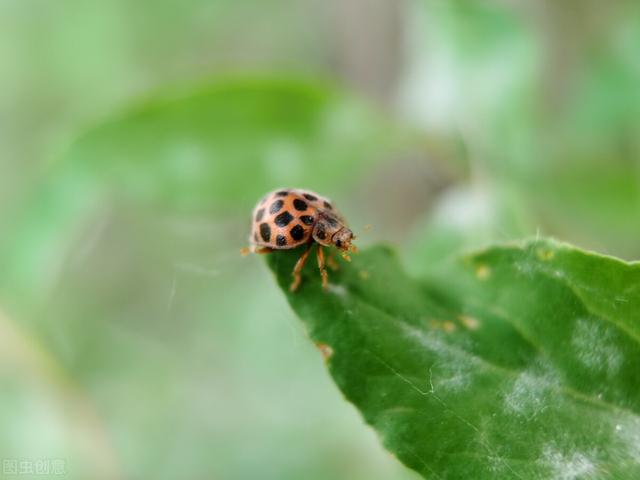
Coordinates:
x,y
328,205
282,193
311,198
320,233
283,219
307,219
300,205
276,206
281,241
297,233
259,215
265,232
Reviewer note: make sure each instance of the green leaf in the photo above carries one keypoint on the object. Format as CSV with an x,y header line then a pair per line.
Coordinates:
x,y
524,363
221,144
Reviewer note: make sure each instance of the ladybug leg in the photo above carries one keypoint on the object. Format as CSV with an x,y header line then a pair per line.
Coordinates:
x,y
253,249
332,263
323,271
298,268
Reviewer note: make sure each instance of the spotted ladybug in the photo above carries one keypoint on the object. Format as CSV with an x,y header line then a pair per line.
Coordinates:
x,y
289,218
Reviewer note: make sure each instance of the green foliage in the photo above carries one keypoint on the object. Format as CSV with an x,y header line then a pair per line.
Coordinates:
x,y
135,329
521,363
213,149
221,145
547,102
120,273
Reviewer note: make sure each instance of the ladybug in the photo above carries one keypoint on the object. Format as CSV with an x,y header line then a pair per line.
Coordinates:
x,y
289,218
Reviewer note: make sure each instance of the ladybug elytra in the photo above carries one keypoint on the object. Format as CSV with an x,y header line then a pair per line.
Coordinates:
x,y
288,218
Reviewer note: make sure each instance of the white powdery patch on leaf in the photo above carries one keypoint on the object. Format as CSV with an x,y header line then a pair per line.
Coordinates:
x,y
452,377
446,351
573,466
497,465
627,431
530,395
455,367
595,347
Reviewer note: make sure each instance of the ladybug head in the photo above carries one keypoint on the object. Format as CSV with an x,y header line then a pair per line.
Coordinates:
x,y
329,230
342,240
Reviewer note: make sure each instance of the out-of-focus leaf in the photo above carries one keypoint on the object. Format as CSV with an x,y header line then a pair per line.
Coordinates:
x,y
525,365
464,219
217,148
556,126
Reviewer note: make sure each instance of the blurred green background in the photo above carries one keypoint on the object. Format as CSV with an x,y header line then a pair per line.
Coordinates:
x,y
135,138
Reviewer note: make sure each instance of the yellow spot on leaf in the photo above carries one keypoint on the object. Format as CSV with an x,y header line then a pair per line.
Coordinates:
x,y
433,323
469,322
444,325
545,254
448,326
483,272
